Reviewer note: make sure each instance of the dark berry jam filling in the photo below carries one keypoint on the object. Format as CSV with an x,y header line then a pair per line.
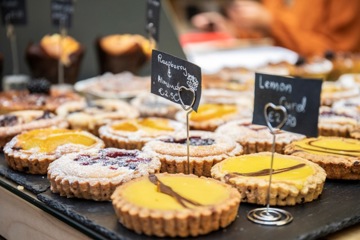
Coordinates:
x,y
8,120
194,141
114,159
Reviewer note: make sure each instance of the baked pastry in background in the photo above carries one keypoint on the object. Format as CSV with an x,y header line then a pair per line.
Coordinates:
x,y
175,205
206,149
256,138
134,133
39,96
336,123
122,52
94,174
340,157
294,180
209,116
151,105
17,122
317,67
91,115
43,58
123,85
34,150
335,91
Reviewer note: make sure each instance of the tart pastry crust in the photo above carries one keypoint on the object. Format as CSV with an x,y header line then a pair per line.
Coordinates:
x,y
91,116
340,157
150,105
94,174
135,133
16,122
256,138
23,100
333,123
33,151
210,116
189,220
253,182
206,149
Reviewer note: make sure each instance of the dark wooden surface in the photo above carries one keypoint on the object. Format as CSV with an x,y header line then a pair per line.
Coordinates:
x,y
337,208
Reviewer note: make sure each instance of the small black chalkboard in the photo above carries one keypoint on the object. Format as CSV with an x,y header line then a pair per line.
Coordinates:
x,y
13,12
153,18
61,12
300,97
169,73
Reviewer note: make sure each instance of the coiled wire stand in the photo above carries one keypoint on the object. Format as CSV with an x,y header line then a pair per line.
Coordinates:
x,y
268,215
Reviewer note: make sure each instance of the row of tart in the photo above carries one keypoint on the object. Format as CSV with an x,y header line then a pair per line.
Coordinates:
x,y
95,173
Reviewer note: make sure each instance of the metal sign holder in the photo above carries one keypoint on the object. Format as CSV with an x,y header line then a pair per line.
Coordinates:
x,y
188,109
268,215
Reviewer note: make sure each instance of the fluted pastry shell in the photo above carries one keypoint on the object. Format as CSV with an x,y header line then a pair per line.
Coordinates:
x,y
35,161
94,174
173,156
139,132
284,191
90,116
183,222
28,120
256,138
340,157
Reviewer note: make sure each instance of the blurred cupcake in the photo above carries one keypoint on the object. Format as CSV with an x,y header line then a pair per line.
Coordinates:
x,y
122,52
43,58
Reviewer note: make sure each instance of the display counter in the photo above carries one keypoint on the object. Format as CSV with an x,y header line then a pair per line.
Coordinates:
x,y
29,210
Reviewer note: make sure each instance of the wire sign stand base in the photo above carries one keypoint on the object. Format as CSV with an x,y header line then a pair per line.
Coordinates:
x,y
268,215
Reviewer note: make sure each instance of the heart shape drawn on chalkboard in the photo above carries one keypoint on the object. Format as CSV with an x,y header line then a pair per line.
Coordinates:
x,y
182,88
277,108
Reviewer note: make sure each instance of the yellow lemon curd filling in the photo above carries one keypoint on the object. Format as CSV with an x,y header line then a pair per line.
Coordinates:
x,y
251,164
47,140
144,193
146,124
60,47
330,146
212,111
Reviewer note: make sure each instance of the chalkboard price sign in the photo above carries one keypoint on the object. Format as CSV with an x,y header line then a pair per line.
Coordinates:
x,y
61,12
300,97
153,18
13,12
175,79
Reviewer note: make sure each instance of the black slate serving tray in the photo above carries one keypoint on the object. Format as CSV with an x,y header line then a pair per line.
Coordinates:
x,y
337,208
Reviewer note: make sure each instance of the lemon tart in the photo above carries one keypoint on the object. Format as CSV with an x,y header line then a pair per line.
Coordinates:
x,y
134,133
340,157
16,122
294,180
94,174
34,150
175,205
206,149
256,138
209,116
90,116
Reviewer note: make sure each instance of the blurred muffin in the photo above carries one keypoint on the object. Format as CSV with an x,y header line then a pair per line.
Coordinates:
x,y
122,52
43,58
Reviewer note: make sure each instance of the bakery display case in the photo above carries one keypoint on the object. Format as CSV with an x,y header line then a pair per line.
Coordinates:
x,y
102,157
